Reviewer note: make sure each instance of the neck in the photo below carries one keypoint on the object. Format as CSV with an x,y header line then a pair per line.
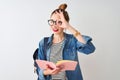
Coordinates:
x,y
58,38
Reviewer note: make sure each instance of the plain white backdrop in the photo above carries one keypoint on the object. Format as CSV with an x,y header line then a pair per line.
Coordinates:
x,y
24,22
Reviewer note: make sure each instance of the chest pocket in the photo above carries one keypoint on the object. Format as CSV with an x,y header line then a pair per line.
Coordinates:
x,y
71,53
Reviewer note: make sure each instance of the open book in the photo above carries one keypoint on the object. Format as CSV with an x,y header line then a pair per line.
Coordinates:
x,y
65,64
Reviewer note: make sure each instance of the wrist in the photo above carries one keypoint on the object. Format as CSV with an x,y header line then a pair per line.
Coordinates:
x,y
76,33
45,72
69,27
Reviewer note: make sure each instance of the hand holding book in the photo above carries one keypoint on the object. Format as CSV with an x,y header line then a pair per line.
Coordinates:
x,y
63,65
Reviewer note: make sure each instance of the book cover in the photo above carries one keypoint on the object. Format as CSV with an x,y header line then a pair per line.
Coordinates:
x,y
66,64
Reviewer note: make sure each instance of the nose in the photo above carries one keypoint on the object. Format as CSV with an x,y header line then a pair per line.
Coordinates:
x,y
55,26
55,22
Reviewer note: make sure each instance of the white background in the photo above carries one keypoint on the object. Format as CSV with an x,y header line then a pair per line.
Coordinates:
x,y
24,22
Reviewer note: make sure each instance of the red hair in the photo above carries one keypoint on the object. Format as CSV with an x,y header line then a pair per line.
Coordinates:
x,y
62,7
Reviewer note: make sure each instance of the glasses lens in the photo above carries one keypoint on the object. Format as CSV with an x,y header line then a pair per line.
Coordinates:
x,y
50,22
60,22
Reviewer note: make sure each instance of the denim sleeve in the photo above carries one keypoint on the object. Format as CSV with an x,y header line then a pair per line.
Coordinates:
x,y
86,48
41,50
40,74
42,57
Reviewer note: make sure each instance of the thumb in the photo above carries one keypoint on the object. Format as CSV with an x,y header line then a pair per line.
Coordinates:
x,y
49,67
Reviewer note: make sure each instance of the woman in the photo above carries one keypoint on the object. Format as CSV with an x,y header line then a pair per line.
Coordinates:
x,y
62,46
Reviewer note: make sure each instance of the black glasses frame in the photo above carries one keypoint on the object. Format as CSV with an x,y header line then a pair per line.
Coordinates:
x,y
51,22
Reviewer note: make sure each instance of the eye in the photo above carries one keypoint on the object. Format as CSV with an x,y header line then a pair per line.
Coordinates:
x,y
50,22
59,22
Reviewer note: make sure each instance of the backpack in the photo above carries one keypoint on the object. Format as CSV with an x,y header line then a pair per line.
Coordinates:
x,y
35,54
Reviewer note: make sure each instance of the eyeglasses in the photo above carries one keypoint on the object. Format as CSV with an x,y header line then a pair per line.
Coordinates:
x,y
51,22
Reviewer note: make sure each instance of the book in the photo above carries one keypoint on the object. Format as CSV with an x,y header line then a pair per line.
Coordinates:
x,y
65,64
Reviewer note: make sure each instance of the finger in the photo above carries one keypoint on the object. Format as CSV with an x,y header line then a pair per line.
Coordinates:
x,y
49,67
61,67
56,71
57,11
60,11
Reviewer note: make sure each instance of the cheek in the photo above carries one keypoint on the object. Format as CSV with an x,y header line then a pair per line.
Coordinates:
x,y
55,26
61,29
51,27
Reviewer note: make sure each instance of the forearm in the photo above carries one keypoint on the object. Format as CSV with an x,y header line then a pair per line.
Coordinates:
x,y
76,34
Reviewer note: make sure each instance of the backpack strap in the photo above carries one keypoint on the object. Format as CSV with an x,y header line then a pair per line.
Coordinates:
x,y
35,54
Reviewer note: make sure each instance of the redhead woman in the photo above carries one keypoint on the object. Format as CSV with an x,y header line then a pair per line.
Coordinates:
x,y
62,46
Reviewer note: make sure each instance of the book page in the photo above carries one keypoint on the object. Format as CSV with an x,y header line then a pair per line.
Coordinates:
x,y
45,64
65,64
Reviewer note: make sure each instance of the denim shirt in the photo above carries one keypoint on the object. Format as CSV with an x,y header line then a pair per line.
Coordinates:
x,y
70,48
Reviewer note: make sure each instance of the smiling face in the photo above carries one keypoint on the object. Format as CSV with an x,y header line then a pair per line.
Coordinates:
x,y
56,23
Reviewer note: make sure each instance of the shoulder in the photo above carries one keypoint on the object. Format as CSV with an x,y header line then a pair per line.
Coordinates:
x,y
41,42
69,36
